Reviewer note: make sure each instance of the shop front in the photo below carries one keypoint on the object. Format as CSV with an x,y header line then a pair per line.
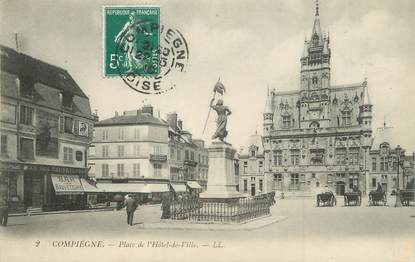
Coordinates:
x,y
44,187
178,190
194,188
144,191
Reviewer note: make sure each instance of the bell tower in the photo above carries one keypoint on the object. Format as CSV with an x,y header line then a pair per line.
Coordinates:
x,y
315,60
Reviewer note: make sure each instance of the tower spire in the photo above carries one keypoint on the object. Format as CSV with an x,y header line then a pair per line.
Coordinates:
x,y
317,8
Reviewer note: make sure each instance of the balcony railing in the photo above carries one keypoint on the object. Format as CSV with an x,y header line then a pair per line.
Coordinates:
x,y
158,158
190,163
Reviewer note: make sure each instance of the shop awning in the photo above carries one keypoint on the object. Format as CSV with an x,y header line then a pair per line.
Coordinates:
x,y
67,185
155,188
124,187
88,188
194,184
179,187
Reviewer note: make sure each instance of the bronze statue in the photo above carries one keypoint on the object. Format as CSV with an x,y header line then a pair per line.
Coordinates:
x,y
222,119
222,111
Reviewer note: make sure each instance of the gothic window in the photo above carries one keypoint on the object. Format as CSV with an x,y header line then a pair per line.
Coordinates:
x,y
294,182
354,156
277,158
278,181
315,80
374,164
295,157
384,164
346,117
286,122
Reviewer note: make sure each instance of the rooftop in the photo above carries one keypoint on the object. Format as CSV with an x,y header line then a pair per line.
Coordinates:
x,y
26,66
138,119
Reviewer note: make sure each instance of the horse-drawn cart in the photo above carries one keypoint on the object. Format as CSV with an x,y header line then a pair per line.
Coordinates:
x,y
353,197
326,199
407,195
377,198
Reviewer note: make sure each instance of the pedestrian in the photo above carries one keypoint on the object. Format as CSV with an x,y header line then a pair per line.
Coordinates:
x,y
4,205
379,188
165,206
131,205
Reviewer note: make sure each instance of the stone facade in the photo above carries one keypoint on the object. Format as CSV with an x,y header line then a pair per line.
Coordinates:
x,y
320,134
46,127
251,167
188,157
384,162
131,146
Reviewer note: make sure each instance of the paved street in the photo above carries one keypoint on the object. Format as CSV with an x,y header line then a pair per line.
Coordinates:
x,y
309,234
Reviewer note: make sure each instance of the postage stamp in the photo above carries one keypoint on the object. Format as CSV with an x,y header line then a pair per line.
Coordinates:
x,y
131,40
140,50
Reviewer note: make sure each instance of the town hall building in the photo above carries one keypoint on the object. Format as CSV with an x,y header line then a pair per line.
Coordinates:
x,y
321,133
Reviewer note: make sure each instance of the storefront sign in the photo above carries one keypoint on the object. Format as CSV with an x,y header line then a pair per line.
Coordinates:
x,y
66,184
83,128
9,166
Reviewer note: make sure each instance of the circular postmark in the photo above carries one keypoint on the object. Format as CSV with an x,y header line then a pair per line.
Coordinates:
x,y
148,54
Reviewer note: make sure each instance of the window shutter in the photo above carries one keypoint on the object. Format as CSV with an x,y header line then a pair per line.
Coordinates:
x,y
61,124
76,127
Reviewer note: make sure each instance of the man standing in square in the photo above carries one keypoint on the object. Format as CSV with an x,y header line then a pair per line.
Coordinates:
x,y
131,205
4,203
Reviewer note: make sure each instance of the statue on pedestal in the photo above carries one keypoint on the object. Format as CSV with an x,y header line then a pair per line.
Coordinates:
x,y
222,111
222,119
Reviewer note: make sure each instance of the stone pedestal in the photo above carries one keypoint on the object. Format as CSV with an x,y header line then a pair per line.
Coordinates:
x,y
221,185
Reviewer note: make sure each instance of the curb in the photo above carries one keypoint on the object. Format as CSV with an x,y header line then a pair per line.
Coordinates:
x,y
245,226
60,212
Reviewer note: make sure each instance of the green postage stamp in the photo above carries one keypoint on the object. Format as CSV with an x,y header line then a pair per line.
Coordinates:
x,y
131,39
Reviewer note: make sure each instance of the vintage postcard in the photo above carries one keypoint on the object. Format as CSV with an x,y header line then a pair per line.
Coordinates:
x,y
207,130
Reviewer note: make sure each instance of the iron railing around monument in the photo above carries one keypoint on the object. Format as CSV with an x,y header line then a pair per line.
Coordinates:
x,y
227,212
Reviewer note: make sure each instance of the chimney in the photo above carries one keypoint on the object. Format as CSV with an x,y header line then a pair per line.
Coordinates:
x,y
95,116
147,109
172,120
180,124
116,113
199,142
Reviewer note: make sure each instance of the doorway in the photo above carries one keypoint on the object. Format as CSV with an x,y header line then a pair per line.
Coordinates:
x,y
340,186
252,189
33,190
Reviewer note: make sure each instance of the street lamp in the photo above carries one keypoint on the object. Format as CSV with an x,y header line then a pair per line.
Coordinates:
x,y
399,151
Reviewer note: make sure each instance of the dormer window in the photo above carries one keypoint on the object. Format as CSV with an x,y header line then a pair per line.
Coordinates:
x,y
66,99
253,153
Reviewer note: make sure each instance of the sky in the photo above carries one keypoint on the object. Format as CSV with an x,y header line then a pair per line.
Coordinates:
x,y
250,45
